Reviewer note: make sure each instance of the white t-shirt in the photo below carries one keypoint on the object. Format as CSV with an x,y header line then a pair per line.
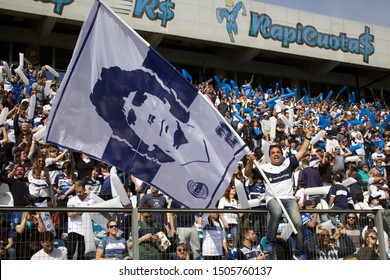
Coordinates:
x,y
75,224
374,191
231,218
213,238
57,254
375,156
280,178
301,194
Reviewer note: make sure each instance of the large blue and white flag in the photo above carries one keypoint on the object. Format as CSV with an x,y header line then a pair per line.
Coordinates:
x,y
122,103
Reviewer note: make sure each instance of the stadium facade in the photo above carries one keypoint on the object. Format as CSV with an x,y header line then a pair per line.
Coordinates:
x,y
228,38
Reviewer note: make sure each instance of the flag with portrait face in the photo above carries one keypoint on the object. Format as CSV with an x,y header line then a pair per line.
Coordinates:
x,y
122,103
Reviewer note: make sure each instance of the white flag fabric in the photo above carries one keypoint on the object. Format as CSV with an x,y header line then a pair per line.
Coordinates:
x,y
122,103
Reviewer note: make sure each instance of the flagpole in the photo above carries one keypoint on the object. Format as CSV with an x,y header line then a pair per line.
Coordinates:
x,y
268,184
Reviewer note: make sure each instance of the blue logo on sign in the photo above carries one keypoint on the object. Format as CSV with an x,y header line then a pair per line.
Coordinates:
x,y
165,10
230,13
58,4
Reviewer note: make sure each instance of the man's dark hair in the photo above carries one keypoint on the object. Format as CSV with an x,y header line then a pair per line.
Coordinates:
x,y
359,197
258,153
337,177
47,236
305,162
275,146
245,230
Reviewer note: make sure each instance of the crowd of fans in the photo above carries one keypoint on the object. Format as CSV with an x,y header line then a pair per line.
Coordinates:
x,y
352,143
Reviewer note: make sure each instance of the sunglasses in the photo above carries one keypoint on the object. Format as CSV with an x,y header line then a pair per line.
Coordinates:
x,y
372,237
353,218
325,235
181,250
113,226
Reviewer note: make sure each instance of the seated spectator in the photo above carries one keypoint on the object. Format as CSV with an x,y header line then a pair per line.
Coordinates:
x,y
155,199
322,248
232,248
183,225
371,226
112,247
248,250
7,252
370,251
48,252
181,253
148,239
352,229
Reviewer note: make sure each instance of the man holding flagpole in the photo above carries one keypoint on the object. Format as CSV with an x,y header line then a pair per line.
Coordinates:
x,y
280,192
126,105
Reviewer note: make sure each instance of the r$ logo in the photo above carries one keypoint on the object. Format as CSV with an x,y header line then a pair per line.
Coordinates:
x,y
155,9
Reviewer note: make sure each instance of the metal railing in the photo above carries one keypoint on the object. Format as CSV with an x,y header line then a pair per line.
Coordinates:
x,y
250,218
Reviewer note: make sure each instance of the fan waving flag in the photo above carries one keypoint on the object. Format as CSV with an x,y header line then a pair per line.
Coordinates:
x,y
122,103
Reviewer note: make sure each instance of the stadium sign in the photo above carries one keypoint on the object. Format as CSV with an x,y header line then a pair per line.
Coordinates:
x,y
310,36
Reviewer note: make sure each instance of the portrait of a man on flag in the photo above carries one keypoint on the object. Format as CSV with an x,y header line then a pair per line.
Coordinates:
x,y
151,128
